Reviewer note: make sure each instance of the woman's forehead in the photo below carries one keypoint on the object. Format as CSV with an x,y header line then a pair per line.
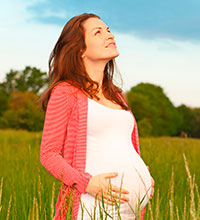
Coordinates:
x,y
94,23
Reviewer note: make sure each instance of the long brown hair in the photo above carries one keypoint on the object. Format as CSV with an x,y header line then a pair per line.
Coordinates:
x,y
66,64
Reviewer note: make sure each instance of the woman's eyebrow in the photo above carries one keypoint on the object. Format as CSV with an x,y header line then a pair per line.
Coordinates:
x,y
100,28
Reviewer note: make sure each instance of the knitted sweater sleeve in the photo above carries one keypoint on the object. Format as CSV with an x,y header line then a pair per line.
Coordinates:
x,y
56,120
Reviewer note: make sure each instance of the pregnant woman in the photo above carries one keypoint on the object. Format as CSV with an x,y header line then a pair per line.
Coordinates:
x,y
90,139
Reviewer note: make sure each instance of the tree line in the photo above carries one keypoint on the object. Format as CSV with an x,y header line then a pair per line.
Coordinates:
x,y
157,116
154,112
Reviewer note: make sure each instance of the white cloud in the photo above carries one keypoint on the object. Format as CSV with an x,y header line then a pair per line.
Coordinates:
x,y
14,12
24,42
58,14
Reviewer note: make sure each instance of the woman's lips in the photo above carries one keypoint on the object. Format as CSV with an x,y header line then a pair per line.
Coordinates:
x,y
112,44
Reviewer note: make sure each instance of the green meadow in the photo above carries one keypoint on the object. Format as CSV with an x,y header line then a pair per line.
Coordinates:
x,y
27,191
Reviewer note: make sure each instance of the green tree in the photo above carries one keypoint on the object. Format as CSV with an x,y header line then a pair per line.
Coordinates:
x,y
3,101
23,113
19,93
155,113
30,79
196,126
9,83
188,119
145,127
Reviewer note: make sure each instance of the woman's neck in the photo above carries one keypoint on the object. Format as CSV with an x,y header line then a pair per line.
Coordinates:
x,y
95,70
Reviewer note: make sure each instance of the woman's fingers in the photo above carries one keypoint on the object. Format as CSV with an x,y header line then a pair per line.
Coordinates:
x,y
114,188
106,200
112,197
115,192
109,175
119,197
117,189
99,184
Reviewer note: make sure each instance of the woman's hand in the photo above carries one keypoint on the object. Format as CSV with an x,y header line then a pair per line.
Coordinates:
x,y
152,186
99,185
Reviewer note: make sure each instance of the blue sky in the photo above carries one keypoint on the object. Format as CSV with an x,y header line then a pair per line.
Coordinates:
x,y
158,41
147,18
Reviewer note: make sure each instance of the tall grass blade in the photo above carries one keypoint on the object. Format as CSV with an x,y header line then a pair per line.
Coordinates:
x,y
157,208
185,208
9,207
52,200
146,194
33,209
36,209
171,201
177,213
1,190
191,184
39,190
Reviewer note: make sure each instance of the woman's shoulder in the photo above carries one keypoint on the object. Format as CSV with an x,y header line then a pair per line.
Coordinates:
x,y
65,87
64,91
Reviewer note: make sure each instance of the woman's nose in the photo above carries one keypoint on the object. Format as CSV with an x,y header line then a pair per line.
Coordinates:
x,y
110,36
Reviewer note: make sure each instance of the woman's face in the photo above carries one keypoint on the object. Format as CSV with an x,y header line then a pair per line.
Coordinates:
x,y
100,43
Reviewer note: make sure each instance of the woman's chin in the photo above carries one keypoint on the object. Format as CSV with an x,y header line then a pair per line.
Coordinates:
x,y
114,55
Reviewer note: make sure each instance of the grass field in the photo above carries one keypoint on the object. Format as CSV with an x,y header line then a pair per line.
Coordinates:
x,y
27,191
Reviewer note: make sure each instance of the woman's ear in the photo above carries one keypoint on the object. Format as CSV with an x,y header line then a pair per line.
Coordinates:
x,y
83,54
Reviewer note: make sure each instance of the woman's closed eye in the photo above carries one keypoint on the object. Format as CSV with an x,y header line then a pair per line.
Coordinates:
x,y
98,32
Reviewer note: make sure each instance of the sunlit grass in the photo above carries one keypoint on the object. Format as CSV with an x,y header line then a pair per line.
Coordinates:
x,y
27,191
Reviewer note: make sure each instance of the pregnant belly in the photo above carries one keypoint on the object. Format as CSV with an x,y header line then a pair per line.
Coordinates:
x,y
132,173
137,180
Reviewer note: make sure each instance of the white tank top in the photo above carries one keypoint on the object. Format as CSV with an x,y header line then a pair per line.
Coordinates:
x,y
110,149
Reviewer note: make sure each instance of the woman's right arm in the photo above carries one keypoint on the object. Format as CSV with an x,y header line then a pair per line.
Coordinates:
x,y
58,111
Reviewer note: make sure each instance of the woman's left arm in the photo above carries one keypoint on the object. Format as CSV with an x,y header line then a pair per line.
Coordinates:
x,y
55,129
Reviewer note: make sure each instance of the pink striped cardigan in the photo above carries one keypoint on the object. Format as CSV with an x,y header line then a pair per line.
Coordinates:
x,y
63,146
